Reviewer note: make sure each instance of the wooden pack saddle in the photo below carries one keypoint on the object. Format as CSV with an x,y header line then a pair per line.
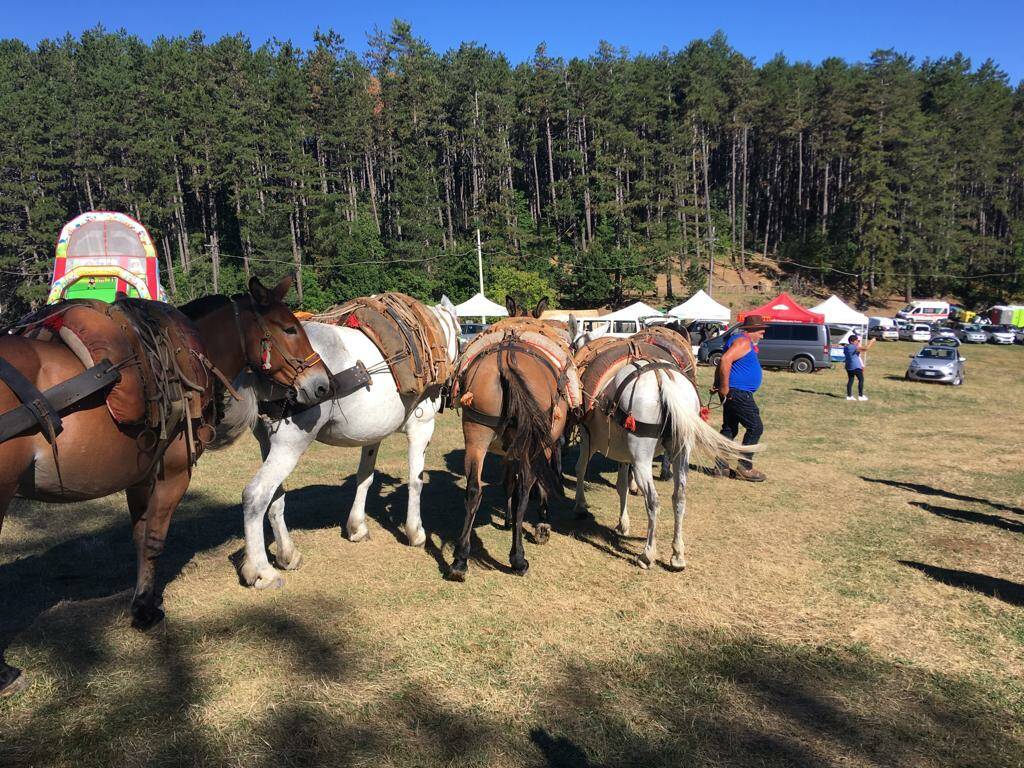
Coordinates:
x,y
408,335
157,350
676,344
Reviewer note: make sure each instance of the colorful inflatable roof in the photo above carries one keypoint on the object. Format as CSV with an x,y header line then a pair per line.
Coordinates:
x,y
101,253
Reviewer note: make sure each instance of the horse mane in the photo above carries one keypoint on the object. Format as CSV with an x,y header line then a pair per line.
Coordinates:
x,y
201,307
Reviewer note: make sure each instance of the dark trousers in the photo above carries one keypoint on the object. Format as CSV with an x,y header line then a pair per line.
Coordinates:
x,y
859,374
738,409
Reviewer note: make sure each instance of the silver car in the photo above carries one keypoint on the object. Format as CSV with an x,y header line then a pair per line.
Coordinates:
x,y
972,334
943,364
999,334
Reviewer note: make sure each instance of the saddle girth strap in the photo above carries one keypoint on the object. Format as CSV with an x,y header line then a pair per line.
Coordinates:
x,y
40,408
615,410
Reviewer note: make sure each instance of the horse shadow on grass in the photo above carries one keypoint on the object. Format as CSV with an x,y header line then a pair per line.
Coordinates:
x,y
928,490
1008,591
966,516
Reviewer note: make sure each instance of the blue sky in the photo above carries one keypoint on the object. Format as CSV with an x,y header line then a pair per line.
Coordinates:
x,y
806,31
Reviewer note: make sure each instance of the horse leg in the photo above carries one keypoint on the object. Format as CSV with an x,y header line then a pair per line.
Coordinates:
x,y
262,491
510,489
634,489
288,555
517,557
419,434
682,465
581,475
542,533
356,525
666,467
622,486
645,480
474,493
12,679
151,504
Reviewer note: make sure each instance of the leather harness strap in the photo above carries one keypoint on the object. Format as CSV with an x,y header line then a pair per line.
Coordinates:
x,y
614,407
508,346
57,398
42,411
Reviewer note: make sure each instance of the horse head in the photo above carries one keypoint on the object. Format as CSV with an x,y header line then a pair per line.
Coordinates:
x,y
275,343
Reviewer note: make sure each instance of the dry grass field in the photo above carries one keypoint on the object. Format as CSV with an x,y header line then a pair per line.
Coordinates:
x,y
865,607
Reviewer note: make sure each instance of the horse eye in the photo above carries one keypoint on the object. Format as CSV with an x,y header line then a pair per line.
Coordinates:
x,y
291,331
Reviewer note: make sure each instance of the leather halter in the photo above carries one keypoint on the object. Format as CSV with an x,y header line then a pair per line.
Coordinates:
x,y
293,367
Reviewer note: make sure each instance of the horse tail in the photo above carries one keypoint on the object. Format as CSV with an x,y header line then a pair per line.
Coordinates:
x,y
687,430
235,417
532,430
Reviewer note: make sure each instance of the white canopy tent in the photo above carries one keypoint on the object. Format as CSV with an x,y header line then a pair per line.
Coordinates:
x,y
700,306
480,306
838,312
634,311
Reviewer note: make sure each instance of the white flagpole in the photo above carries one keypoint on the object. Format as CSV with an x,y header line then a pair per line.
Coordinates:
x,y
480,269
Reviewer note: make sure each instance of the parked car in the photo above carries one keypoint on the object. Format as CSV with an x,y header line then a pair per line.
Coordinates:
x,y
944,333
916,332
943,364
883,328
900,323
468,330
1019,335
944,341
804,347
972,334
999,334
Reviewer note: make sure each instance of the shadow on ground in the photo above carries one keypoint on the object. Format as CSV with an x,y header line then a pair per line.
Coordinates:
x,y
966,516
317,699
1008,591
928,490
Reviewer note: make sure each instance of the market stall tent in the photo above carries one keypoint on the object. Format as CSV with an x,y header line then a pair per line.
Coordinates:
x,y
622,322
700,306
838,312
480,306
784,308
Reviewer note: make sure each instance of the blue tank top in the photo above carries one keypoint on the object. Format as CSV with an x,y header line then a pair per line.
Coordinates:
x,y
745,373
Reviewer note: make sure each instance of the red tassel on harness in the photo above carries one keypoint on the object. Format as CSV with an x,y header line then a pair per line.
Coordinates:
x,y
265,355
352,322
630,423
54,322
705,412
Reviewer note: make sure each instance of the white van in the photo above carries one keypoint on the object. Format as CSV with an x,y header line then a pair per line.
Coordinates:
x,y
925,311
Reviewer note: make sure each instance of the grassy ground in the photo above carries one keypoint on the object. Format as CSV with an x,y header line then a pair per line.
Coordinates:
x,y
864,607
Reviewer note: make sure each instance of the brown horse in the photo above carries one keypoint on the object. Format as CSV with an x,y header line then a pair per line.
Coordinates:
x,y
97,456
512,405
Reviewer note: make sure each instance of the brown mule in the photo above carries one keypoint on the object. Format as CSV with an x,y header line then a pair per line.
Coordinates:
x,y
512,405
97,456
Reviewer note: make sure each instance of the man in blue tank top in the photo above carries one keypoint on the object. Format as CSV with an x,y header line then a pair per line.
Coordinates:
x,y
738,378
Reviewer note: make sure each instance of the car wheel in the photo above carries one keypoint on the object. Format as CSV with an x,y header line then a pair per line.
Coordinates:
x,y
715,358
958,381
906,376
803,365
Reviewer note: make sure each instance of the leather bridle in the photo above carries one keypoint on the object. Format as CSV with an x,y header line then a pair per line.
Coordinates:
x,y
292,367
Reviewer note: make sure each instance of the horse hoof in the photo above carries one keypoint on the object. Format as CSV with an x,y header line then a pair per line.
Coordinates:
x,y
418,537
622,530
362,533
644,560
582,513
292,563
456,573
146,617
520,569
542,533
12,681
677,563
269,579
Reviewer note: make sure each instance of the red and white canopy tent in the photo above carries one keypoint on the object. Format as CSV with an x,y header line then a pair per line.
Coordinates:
x,y
785,309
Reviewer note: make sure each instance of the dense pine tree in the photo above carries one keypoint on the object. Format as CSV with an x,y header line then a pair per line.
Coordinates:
x,y
587,178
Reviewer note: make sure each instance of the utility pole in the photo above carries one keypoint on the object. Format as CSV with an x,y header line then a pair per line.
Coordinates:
x,y
480,262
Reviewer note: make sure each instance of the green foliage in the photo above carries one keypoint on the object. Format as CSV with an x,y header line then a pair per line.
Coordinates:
x,y
587,178
527,287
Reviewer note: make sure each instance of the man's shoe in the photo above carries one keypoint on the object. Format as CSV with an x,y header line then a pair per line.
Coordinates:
x,y
863,397
850,397
752,475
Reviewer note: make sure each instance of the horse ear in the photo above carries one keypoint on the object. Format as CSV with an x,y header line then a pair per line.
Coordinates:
x,y
573,326
541,306
282,288
510,305
259,291
446,302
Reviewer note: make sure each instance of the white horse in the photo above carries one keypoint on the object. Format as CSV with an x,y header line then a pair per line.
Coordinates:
x,y
362,419
664,397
